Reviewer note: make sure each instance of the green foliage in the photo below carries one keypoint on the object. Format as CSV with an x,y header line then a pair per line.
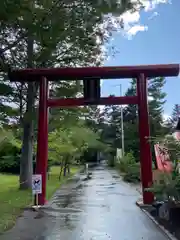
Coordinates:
x,y
110,156
9,152
10,163
133,173
172,145
49,34
111,161
54,34
72,142
64,147
13,200
168,186
172,121
111,118
129,168
125,162
167,189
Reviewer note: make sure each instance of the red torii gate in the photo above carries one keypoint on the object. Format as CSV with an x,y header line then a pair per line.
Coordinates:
x,y
141,73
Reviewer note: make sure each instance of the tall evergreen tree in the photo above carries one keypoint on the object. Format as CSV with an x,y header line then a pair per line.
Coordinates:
x,y
130,116
171,122
155,90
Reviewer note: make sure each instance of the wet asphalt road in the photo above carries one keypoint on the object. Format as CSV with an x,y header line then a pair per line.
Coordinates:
x,y
101,208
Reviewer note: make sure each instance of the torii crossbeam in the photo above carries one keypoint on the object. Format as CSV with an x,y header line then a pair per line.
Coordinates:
x,y
141,73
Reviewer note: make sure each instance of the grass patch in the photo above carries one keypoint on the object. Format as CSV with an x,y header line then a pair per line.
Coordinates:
x,y
12,200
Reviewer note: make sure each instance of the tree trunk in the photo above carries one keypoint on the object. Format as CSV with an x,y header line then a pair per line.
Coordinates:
x,y
68,168
65,169
26,168
61,170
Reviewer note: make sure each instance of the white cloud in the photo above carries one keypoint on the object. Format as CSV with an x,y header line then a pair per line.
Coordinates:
x,y
155,14
127,24
151,4
131,19
135,29
132,25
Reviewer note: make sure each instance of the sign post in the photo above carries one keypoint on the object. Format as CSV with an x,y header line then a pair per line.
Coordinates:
x,y
36,187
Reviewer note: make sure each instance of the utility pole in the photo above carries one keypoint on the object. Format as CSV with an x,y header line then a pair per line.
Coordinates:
x,y
122,121
122,124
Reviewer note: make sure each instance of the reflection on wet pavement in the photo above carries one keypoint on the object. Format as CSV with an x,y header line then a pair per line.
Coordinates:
x,y
100,208
103,208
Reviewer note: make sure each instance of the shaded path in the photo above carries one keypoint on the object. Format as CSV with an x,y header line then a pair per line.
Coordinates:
x,y
101,208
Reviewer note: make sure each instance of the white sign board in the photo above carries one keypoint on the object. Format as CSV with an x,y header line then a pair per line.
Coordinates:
x,y
119,153
87,166
37,184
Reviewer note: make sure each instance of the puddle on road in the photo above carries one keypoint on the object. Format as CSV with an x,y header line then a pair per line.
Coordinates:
x,y
114,183
116,176
89,212
106,185
40,215
60,213
104,192
69,208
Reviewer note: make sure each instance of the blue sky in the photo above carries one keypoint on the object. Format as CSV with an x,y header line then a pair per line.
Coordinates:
x,y
157,42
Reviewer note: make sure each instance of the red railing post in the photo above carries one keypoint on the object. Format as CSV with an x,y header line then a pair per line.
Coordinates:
x,y
42,143
144,134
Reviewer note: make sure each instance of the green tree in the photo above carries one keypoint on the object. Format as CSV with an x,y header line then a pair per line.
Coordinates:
x,y
65,147
130,117
48,34
156,104
172,121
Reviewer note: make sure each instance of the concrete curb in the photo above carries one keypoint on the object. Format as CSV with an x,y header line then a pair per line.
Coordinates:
x,y
165,232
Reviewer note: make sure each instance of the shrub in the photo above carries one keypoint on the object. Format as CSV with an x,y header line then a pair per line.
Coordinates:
x,y
125,162
167,188
10,158
130,168
111,161
133,173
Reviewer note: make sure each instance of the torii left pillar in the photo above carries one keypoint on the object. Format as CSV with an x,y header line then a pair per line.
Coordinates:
x,y
42,143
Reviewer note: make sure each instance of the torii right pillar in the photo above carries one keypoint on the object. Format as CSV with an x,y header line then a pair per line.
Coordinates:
x,y
144,134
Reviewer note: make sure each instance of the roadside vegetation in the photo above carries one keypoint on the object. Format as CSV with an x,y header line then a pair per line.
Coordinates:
x,y
66,157
13,200
167,188
48,34
129,168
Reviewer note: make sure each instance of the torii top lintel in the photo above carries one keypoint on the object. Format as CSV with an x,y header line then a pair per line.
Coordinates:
x,y
54,74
